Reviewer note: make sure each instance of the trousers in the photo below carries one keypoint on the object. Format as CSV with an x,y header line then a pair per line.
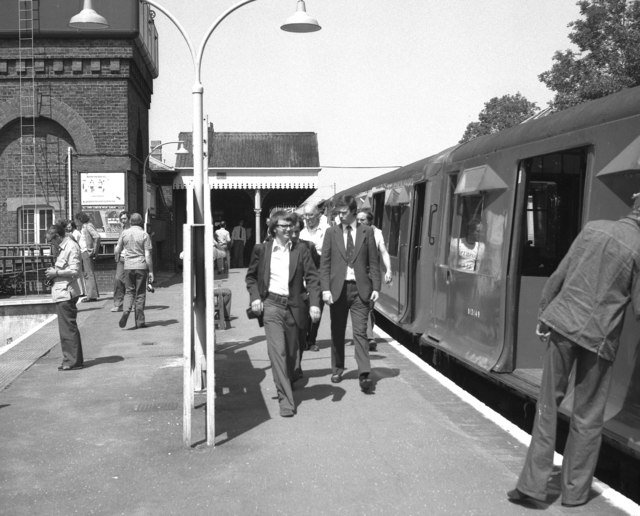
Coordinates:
x,y
349,302
90,283
136,294
282,345
70,340
119,286
592,380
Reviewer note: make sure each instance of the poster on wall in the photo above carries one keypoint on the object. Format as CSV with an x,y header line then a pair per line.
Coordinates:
x,y
102,197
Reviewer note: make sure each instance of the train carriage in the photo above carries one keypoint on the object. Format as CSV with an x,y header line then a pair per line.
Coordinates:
x,y
525,193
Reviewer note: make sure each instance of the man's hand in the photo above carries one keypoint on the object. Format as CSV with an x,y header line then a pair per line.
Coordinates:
x,y
327,298
314,312
387,277
151,277
543,331
257,306
374,296
50,273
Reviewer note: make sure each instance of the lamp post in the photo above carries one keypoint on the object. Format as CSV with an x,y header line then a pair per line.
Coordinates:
x,y
198,279
145,206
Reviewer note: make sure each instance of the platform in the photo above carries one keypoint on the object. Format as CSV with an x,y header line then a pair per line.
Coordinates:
x,y
107,439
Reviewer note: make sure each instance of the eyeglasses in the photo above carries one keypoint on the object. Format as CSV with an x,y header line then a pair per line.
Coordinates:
x,y
343,212
284,226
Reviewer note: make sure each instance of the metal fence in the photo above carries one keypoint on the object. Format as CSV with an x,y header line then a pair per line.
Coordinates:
x,y
22,269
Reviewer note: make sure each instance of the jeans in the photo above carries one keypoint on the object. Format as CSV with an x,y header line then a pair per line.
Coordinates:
x,y
136,293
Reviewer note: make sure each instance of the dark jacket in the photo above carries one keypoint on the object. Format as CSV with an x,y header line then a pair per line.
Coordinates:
x,y
304,287
365,262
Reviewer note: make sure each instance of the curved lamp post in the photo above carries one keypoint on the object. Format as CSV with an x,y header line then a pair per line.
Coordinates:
x,y
198,280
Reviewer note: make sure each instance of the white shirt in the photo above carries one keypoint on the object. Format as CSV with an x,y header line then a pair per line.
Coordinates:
x,y
315,235
279,279
239,233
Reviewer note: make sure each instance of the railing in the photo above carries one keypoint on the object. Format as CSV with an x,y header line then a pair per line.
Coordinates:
x,y
22,269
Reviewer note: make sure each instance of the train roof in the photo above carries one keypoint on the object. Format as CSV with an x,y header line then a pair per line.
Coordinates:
x,y
624,104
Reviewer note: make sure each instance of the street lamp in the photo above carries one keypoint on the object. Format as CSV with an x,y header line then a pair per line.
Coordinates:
x,y
88,18
198,285
145,207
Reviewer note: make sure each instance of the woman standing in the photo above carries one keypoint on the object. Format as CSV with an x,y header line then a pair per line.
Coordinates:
x,y
89,246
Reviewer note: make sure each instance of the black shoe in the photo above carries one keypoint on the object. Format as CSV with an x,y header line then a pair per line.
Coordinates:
x,y
314,347
336,378
518,497
123,319
365,382
373,345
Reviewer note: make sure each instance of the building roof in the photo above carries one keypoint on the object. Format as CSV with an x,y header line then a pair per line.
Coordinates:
x,y
256,150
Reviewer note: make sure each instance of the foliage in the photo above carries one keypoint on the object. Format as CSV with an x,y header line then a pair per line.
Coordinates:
x,y
608,39
498,114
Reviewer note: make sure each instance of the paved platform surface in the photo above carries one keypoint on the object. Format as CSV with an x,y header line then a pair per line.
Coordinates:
x,y
107,439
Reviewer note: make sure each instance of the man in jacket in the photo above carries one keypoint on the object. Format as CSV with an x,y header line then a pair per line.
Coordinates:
x,y
350,281
581,315
282,281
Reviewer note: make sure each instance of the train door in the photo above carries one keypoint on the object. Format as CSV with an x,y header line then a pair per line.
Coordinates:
x,y
548,217
396,234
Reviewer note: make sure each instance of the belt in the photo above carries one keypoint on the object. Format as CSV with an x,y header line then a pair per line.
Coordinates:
x,y
281,300
350,281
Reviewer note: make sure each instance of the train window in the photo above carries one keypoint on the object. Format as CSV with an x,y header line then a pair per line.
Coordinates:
x,y
466,246
392,236
553,206
378,209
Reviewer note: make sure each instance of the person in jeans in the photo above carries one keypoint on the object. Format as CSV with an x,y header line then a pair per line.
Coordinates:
x,y
135,243
581,314
65,291
119,286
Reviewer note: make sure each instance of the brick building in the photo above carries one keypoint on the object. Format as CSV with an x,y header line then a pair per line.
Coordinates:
x,y
74,108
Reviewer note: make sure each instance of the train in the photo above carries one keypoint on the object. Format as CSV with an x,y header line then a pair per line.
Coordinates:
x,y
528,190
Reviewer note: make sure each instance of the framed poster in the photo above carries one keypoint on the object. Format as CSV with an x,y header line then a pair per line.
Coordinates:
x,y
102,197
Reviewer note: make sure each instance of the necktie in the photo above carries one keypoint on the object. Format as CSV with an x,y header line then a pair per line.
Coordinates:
x,y
350,246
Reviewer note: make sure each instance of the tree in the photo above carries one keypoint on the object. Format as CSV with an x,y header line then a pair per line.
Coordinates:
x,y
608,37
498,114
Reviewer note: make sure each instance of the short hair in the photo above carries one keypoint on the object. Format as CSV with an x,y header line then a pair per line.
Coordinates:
x,y
346,201
368,213
275,217
311,210
124,212
136,219
82,217
297,220
57,229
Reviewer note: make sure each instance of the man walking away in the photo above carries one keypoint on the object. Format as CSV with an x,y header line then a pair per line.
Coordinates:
x,y
138,269
119,286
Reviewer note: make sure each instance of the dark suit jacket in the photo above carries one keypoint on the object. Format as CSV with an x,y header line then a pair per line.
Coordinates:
x,y
365,262
301,270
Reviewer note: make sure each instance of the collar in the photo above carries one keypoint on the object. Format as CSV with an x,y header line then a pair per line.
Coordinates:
x,y
277,246
64,243
353,225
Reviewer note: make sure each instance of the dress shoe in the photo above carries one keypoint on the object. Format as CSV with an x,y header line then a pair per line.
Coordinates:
x,y
365,382
123,319
286,412
518,497
69,368
373,345
314,347
336,378
116,309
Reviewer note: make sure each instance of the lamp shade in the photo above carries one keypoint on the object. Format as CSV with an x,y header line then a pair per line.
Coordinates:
x,y
88,18
300,21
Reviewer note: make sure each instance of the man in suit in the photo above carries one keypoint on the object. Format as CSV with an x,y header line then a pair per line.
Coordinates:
x,y
276,279
350,281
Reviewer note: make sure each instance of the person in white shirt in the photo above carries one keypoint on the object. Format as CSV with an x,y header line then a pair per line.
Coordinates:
x,y
223,242
466,252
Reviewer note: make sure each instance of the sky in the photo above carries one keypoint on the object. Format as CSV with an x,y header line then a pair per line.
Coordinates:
x,y
383,84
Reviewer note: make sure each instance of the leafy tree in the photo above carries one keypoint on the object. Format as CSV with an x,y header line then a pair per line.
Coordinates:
x,y
608,36
498,114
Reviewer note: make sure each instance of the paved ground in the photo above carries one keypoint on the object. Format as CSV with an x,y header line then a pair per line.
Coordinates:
x,y
108,439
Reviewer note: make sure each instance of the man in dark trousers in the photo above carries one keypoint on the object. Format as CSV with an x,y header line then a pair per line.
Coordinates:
x,y
350,281
580,316
282,281
65,291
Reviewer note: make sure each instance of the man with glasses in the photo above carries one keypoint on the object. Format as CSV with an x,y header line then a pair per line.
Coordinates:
x,y
350,281
313,230
119,286
280,275
65,292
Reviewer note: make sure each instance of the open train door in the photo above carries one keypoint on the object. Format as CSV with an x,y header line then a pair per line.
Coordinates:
x,y
548,217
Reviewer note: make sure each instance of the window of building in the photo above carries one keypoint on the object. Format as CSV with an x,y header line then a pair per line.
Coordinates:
x,y
33,224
